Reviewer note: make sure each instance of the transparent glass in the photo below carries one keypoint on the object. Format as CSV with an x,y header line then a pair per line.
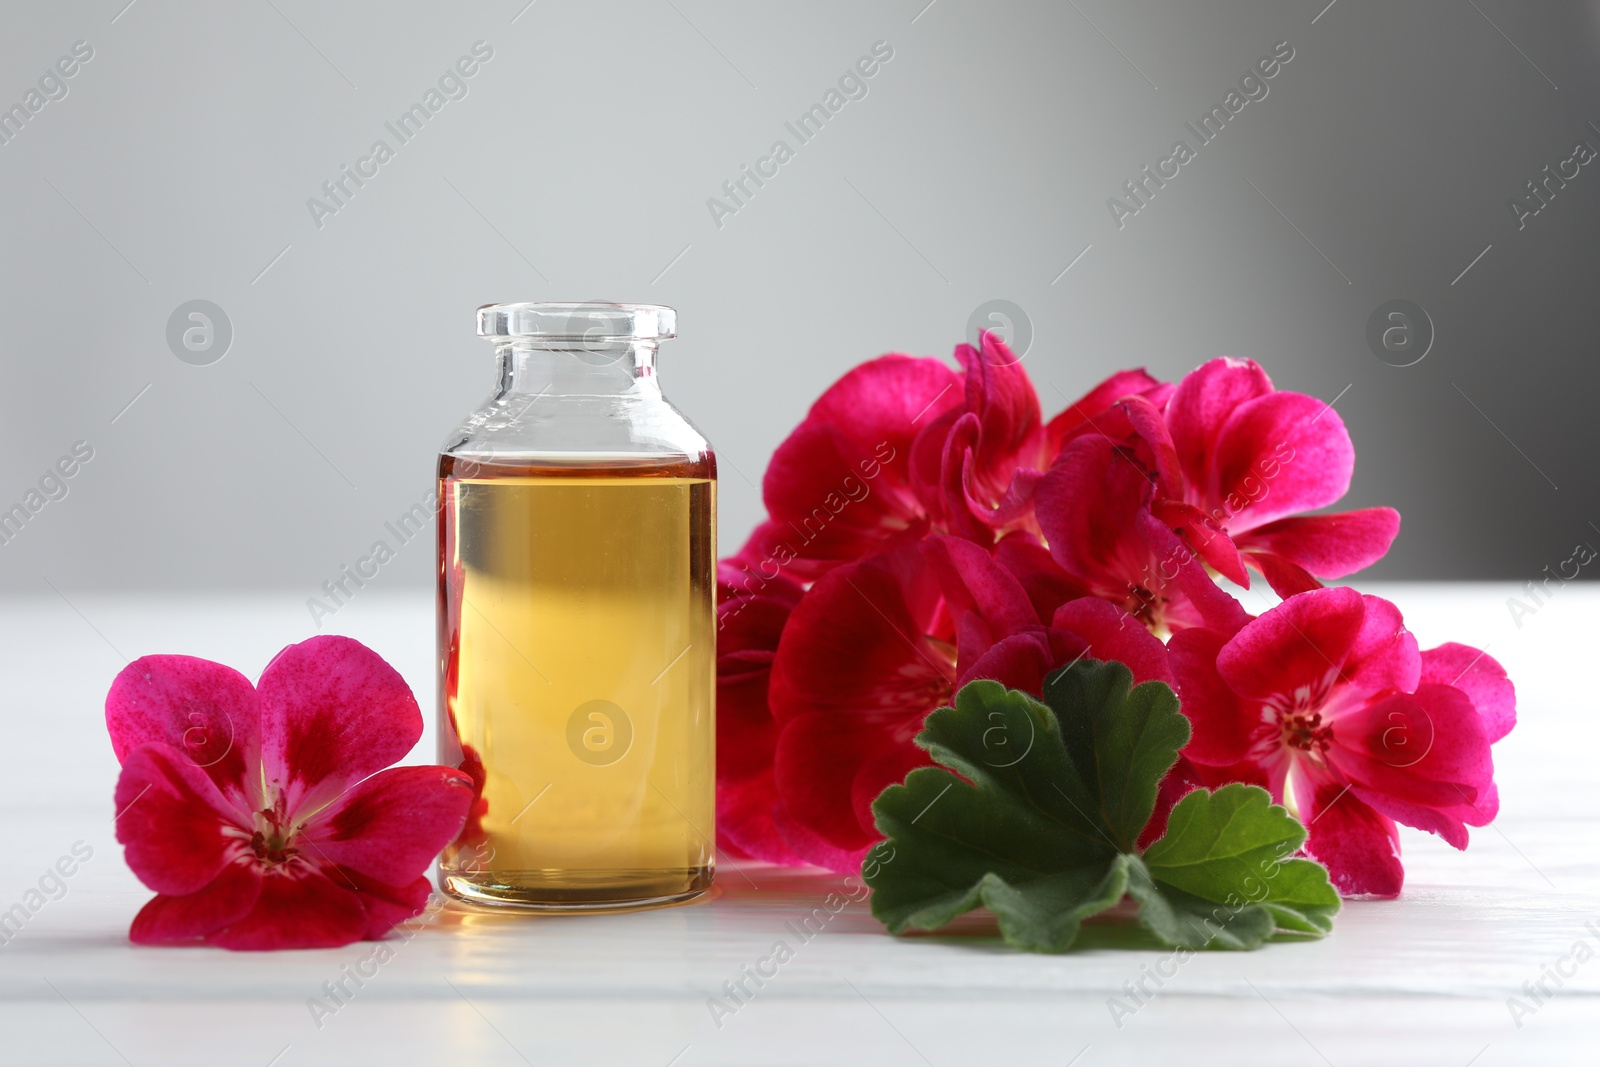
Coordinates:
x,y
577,638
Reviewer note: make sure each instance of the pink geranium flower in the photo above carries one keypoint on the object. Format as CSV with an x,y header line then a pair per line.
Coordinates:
x,y
1144,511
902,447
927,527
840,487
1095,508
978,465
751,612
1238,462
876,645
262,815
1327,699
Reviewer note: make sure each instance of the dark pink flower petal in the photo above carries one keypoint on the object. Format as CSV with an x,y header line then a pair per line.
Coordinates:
x,y
1302,642
856,439
1085,628
1086,505
1203,402
1426,747
1109,633
1047,585
1093,507
1201,533
745,818
1359,846
856,671
1328,546
1015,506
202,709
385,906
976,466
169,920
754,609
1190,597
1224,726
1286,577
177,829
391,826
832,500
1384,655
1421,759
987,602
1012,509
1019,661
1145,421
1084,414
812,848
831,767
743,575
299,907
886,766
889,398
332,713
860,644
749,629
1000,394
1278,455
1481,678
958,511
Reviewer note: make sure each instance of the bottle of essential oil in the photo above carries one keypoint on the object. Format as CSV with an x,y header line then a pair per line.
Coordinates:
x,y
577,639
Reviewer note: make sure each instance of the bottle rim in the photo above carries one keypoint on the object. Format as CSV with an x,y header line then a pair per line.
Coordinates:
x,y
586,321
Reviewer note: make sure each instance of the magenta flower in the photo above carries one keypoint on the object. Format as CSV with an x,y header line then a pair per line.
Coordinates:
x,y
902,448
839,487
262,815
1143,512
751,612
1095,507
1238,461
1327,699
874,646
979,464
929,526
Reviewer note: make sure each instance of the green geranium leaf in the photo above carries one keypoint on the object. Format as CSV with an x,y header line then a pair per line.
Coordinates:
x,y
1040,821
1230,850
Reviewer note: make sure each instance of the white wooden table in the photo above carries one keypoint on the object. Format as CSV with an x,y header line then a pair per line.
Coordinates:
x,y
1421,980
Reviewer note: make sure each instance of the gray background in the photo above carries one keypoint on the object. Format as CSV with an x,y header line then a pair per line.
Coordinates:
x,y
579,165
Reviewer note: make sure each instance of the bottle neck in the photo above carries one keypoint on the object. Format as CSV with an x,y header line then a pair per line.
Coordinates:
x,y
578,368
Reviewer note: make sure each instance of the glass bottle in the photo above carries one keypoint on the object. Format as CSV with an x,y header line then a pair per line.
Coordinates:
x,y
577,638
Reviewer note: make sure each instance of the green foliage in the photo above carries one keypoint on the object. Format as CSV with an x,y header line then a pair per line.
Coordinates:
x,y
1041,818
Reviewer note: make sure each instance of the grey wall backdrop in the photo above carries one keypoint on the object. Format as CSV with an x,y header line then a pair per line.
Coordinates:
x,y
576,161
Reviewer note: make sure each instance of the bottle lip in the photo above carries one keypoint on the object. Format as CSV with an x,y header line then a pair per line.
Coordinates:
x,y
587,321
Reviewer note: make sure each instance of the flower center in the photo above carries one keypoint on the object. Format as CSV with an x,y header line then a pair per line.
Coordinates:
x,y
1148,606
272,850
1304,732
1141,603
273,839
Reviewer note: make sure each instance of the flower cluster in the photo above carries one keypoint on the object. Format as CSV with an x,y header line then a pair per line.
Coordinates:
x,y
927,527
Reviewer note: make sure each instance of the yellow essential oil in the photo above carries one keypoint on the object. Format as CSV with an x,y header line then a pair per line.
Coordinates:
x,y
578,660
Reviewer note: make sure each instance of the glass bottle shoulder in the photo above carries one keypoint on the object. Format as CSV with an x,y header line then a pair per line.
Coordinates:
x,y
640,431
